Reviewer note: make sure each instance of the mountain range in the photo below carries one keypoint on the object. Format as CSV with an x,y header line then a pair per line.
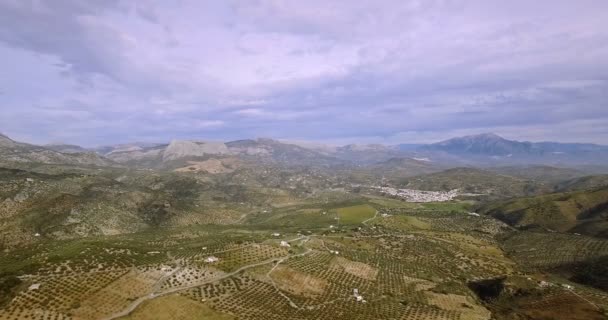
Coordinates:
x,y
489,144
486,149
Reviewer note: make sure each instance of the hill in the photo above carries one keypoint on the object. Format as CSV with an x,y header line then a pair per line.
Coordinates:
x,y
541,173
405,167
13,152
476,181
584,212
583,183
66,148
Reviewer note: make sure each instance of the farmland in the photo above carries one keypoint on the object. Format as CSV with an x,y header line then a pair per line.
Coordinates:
x,y
406,262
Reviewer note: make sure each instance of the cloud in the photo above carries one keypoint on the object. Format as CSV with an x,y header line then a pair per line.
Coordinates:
x,y
101,72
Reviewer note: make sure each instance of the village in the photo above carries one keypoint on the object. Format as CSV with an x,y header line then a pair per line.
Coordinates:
x,y
412,195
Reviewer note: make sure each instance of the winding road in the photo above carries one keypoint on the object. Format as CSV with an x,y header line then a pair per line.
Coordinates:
x,y
158,283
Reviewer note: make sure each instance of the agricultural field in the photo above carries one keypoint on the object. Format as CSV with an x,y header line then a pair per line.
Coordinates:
x,y
294,160
130,244
367,259
355,214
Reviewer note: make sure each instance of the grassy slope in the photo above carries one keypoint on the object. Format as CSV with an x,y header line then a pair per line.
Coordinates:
x,y
356,214
582,211
583,183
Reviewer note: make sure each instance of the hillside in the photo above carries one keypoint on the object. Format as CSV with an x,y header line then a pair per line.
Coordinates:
x,y
540,173
475,181
583,183
65,203
584,212
395,168
13,152
66,148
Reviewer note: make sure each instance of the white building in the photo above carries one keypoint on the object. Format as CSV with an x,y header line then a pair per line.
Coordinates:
x,y
212,259
357,296
285,244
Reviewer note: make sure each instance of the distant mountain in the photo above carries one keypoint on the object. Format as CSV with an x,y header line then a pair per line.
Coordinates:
x,y
265,150
408,146
281,152
144,155
12,152
491,149
484,144
182,149
103,150
6,141
366,153
158,154
66,148
483,150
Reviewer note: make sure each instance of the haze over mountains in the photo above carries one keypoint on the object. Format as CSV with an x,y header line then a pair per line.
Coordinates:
x,y
476,150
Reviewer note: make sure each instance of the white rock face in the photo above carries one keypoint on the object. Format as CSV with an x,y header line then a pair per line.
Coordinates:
x,y
179,149
251,151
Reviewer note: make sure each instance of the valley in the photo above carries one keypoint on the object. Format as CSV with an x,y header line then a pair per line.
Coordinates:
x,y
263,229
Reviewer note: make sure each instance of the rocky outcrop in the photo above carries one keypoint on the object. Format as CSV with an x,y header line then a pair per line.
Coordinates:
x,y
178,149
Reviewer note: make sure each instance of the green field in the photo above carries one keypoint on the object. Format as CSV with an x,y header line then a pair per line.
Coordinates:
x,y
356,214
408,223
459,206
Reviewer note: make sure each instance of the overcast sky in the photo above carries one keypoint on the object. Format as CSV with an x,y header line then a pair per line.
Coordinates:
x,y
101,72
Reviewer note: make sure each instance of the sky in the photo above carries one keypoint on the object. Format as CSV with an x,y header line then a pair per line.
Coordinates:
x,y
104,72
